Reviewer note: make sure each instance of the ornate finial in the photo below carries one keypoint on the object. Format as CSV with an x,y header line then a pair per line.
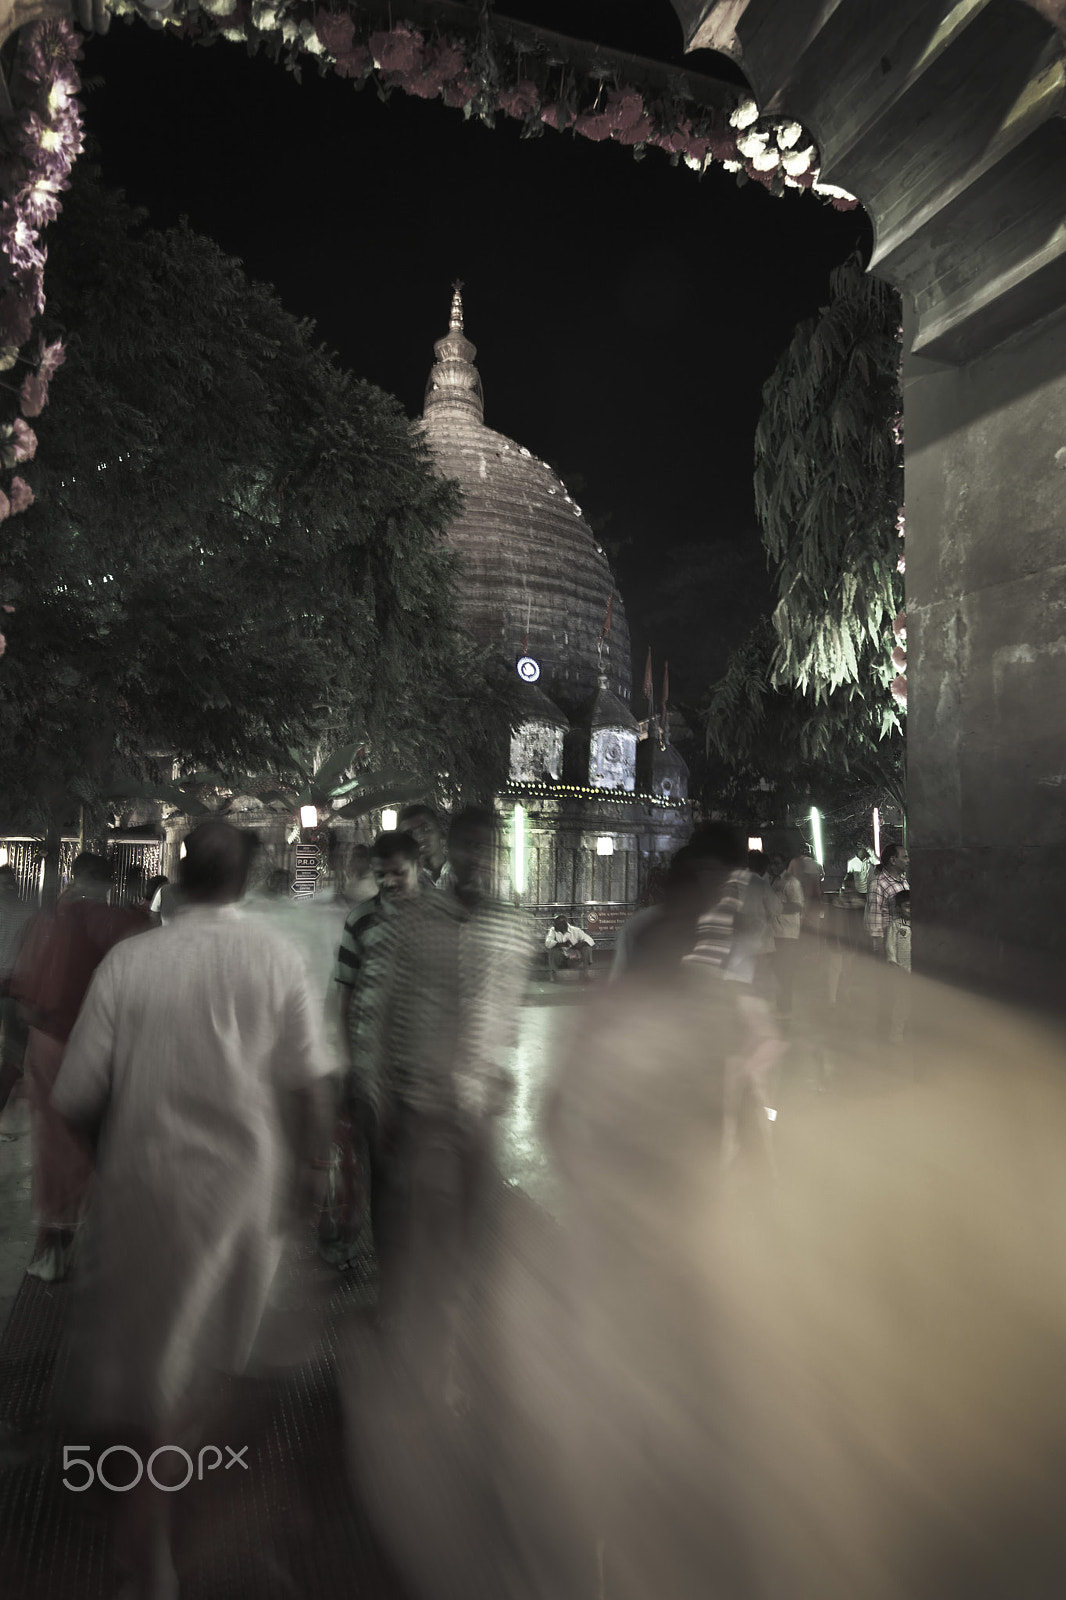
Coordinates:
x,y
454,385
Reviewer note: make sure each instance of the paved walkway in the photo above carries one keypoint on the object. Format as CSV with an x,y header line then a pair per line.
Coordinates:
x,y
293,1512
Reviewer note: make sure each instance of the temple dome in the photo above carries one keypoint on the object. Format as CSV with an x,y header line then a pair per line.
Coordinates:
x,y
536,581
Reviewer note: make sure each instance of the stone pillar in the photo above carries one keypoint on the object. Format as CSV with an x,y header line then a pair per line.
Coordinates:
x,y
986,647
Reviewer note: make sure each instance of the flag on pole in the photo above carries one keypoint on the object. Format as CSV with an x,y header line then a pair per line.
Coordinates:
x,y
649,687
607,618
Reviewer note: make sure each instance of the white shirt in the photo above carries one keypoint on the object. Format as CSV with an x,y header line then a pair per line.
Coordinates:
x,y
572,936
189,1038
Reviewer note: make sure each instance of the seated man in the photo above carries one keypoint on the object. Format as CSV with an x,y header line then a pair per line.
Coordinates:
x,y
568,944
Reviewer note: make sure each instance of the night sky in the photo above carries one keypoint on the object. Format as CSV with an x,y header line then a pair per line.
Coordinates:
x,y
626,313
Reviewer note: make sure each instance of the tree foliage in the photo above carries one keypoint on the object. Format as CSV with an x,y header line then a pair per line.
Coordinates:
x,y
807,693
236,548
828,488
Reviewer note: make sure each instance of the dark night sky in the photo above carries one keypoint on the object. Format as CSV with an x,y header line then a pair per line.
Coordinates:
x,y
626,313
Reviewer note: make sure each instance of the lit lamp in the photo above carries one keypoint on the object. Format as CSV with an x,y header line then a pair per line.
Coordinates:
x,y
3,855
816,829
308,816
389,820
754,844
605,845
877,833
181,852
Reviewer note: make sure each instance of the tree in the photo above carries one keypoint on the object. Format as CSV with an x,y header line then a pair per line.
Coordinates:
x,y
811,692
235,548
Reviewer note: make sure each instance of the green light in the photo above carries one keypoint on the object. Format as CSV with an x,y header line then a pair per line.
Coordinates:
x,y
519,850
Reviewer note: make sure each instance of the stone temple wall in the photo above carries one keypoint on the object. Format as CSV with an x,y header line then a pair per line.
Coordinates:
x,y
986,620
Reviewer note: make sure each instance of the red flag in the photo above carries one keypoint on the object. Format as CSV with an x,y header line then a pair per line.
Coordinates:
x,y
607,618
649,687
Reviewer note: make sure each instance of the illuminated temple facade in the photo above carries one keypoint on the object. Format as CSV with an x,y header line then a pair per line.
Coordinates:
x,y
595,802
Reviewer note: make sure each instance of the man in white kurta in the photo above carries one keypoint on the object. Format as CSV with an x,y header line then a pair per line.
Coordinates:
x,y
201,1059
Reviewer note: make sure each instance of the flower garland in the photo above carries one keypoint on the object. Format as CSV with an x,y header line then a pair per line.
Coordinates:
x,y
483,76
42,140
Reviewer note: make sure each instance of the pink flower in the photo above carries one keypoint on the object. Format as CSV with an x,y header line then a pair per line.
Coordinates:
x,y
3,644
899,659
593,125
24,440
899,625
459,93
5,512
521,100
34,393
398,51
21,496
18,240
353,63
899,691
336,31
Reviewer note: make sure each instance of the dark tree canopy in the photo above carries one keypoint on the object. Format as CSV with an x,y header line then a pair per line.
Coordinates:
x,y
809,691
235,547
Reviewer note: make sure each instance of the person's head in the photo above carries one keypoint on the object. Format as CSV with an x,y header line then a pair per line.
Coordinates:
x,y
901,904
218,858
471,846
561,923
895,860
424,824
757,863
396,860
777,864
90,876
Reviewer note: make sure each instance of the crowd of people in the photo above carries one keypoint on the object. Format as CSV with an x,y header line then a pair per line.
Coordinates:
x,y
188,1114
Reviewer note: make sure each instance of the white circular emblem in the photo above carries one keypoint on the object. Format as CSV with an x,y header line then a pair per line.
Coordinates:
x,y
528,669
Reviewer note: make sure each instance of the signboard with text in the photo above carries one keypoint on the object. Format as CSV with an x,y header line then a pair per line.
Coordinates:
x,y
308,863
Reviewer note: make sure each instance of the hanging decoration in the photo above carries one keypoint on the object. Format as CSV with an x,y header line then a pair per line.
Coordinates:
x,y
483,73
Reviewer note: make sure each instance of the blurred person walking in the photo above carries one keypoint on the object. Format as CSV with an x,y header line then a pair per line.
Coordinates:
x,y
396,861
845,936
198,1067
15,917
424,824
786,929
59,956
898,961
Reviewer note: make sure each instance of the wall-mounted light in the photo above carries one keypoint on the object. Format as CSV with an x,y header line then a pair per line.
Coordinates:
x,y
816,829
389,820
181,852
308,816
519,864
3,855
754,844
605,845
877,833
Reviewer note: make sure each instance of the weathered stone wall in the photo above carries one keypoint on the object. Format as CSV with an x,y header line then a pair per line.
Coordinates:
x,y
986,618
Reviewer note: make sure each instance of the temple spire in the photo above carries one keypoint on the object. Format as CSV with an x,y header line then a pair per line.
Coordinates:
x,y
454,386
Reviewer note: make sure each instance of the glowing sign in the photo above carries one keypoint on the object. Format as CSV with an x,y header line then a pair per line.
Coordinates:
x,y
528,669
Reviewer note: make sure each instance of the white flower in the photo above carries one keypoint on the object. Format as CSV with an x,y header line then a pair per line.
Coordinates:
x,y
695,162
766,162
746,113
796,162
265,17
311,41
831,189
791,183
219,8
753,144
731,166
289,31
788,134
234,35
